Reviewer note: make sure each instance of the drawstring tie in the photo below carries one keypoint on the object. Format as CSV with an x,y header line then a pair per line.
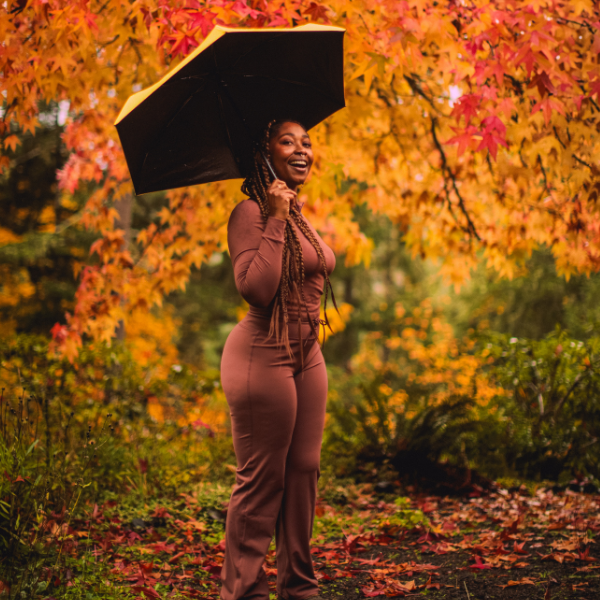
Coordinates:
x,y
317,322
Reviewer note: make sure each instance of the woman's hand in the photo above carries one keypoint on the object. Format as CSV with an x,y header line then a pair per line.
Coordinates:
x,y
280,198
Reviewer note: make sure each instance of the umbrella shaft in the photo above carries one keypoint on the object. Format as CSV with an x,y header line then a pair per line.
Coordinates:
x,y
269,166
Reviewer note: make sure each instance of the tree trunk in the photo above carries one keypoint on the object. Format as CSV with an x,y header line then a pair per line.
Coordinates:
x,y
124,207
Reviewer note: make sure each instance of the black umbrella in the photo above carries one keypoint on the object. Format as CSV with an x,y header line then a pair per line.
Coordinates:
x,y
201,121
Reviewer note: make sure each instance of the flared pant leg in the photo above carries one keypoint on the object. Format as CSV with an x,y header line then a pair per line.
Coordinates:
x,y
277,416
295,572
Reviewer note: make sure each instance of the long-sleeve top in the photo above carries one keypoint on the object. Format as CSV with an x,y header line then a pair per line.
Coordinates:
x,y
256,248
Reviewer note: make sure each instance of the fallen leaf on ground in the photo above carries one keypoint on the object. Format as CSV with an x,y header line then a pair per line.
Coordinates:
x,y
524,581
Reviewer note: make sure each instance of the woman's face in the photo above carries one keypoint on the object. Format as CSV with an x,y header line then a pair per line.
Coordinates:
x,y
291,154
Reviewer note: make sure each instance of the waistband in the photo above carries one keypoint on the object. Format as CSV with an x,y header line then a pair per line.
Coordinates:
x,y
262,322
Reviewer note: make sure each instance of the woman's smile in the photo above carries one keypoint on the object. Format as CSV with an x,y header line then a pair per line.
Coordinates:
x,y
298,164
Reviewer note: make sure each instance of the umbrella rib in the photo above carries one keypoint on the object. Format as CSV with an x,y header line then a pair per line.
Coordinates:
x,y
226,127
189,99
157,137
222,109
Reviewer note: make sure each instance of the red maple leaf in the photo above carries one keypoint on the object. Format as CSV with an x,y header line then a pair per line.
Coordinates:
x,y
585,555
372,591
594,88
242,9
543,84
547,105
518,548
466,106
479,564
148,592
278,21
494,134
59,332
350,542
203,20
316,11
464,138
182,44
526,56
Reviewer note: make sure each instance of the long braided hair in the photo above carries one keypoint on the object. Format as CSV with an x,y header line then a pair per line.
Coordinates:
x,y
293,275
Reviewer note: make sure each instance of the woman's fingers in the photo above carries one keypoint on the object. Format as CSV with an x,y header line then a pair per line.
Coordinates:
x,y
276,184
280,198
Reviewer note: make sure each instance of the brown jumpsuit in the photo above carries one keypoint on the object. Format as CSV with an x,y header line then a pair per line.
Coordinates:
x,y
277,416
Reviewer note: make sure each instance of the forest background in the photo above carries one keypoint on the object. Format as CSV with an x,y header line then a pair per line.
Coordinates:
x,y
459,190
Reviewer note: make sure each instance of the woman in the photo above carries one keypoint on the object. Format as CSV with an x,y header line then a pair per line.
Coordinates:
x,y
273,374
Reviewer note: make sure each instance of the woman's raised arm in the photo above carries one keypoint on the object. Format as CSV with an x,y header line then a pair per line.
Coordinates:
x,y
256,251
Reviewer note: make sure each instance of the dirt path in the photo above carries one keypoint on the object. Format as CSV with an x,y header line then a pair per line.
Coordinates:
x,y
496,545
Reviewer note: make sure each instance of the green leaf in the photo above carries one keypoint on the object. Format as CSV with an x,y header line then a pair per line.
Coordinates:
x,y
33,445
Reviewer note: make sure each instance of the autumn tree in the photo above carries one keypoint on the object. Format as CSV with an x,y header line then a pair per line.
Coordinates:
x,y
471,125
40,244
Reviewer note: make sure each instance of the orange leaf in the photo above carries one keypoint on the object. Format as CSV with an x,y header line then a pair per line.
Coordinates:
x,y
524,581
12,141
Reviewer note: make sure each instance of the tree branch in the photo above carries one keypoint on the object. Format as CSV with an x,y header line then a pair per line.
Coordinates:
x,y
582,162
446,169
418,90
558,137
562,20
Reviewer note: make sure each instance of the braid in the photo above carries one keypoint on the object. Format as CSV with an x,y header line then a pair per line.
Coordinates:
x,y
293,272
305,229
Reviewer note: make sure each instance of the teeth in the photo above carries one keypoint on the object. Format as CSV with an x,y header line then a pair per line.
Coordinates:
x,y
299,163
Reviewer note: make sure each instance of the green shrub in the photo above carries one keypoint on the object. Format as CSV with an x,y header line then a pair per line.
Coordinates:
x,y
550,413
45,476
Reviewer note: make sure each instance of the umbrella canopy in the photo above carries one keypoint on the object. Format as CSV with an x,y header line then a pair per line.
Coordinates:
x,y
200,122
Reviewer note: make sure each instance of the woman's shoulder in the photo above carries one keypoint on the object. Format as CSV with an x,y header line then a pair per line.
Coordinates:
x,y
248,206
244,212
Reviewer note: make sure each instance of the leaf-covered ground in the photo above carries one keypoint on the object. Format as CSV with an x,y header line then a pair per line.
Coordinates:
x,y
493,545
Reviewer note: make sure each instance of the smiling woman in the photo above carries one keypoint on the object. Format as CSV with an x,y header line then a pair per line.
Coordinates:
x,y
291,153
273,373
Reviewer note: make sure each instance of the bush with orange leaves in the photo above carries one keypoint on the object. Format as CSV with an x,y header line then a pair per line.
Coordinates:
x,y
412,387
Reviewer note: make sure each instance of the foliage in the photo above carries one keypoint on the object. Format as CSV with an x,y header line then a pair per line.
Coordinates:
x,y
44,479
40,243
404,517
507,406
148,414
472,126
370,546
57,455
531,305
208,309
550,410
414,388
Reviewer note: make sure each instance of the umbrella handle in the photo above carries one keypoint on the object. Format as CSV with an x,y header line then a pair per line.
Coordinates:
x,y
269,165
